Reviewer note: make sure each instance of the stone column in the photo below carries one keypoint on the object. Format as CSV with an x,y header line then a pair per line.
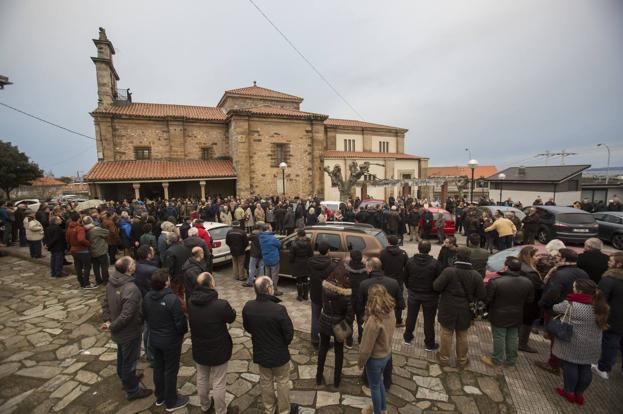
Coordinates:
x,y
202,184
137,193
165,186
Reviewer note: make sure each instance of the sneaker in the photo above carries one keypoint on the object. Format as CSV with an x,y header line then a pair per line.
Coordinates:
x,y
488,361
245,284
91,286
405,342
527,348
160,402
141,393
600,373
432,348
346,346
182,401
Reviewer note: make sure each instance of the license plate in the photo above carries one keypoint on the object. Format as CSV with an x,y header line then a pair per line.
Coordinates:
x,y
581,230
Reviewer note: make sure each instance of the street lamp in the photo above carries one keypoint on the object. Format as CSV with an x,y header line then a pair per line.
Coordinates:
x,y
608,166
469,152
472,164
501,177
283,166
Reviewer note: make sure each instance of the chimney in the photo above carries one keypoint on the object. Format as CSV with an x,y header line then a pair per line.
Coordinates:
x,y
521,171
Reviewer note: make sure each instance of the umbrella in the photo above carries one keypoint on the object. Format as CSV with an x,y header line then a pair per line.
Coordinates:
x,y
89,204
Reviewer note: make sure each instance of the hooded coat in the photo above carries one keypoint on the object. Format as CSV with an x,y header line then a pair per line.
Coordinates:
x,y
208,316
422,271
122,305
98,237
390,284
336,307
593,262
164,315
192,268
77,238
300,251
237,241
507,295
611,284
320,268
394,260
270,245
356,274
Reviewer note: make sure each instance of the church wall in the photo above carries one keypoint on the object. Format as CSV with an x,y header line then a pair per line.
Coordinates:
x,y
198,135
128,134
234,102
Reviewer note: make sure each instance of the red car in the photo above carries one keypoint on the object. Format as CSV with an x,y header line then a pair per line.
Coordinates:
x,y
449,227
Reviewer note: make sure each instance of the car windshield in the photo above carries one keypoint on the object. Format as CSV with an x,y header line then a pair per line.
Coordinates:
x,y
576,218
496,262
219,233
380,236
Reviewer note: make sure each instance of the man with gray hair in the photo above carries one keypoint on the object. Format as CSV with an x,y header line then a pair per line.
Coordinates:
x,y
593,261
122,312
271,332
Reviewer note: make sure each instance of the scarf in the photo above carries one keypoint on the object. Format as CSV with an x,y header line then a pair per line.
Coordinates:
x,y
584,298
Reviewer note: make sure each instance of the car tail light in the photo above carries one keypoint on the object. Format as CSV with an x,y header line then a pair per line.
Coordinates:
x,y
559,224
217,244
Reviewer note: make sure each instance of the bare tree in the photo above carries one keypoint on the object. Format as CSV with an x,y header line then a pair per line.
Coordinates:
x,y
345,186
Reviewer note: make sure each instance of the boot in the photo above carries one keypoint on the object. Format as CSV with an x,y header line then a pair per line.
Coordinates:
x,y
524,337
299,291
305,290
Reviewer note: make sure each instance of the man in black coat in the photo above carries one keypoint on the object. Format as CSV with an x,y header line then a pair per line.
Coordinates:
x,y
193,240
300,251
54,239
507,295
457,285
174,259
422,270
211,343
530,226
237,241
194,266
271,332
320,267
611,285
593,261
393,261
145,268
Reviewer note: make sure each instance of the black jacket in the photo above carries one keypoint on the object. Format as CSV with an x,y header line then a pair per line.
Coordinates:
x,y
447,256
237,241
356,274
174,259
456,284
560,284
611,285
54,238
394,260
478,258
254,240
531,223
336,306
390,284
320,268
208,317
531,310
164,315
593,262
271,330
300,251
422,270
142,275
192,269
507,295
196,241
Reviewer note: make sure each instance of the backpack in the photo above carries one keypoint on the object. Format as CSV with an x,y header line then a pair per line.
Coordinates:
x,y
428,218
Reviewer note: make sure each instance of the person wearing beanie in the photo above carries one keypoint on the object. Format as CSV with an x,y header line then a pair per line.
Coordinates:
x,y
458,285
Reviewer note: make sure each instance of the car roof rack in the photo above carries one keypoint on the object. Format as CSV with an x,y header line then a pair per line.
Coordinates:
x,y
344,223
354,229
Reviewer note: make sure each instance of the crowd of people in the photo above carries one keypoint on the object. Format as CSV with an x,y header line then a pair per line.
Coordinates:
x,y
163,286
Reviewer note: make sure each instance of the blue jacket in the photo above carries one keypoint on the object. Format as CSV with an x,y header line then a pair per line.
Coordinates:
x,y
269,244
125,227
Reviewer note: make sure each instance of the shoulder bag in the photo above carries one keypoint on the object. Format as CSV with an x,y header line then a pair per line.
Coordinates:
x,y
559,328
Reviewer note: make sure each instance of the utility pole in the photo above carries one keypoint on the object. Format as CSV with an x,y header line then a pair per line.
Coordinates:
x,y
563,154
547,154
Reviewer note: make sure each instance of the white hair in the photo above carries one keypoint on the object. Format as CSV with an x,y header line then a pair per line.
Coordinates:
x,y
193,231
554,246
594,243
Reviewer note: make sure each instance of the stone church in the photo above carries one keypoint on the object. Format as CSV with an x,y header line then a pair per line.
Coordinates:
x,y
255,141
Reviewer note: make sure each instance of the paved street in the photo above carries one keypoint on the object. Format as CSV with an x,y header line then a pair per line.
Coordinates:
x,y
53,359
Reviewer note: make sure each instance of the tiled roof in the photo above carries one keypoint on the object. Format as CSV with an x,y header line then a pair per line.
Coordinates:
x,y
260,92
159,169
46,181
458,171
368,154
268,110
152,110
352,123
543,173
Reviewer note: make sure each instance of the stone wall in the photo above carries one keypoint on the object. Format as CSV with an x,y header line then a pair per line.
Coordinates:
x,y
234,102
198,135
129,134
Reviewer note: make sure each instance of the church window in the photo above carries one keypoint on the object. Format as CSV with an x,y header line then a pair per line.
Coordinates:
x,y
383,146
142,153
349,145
280,153
207,153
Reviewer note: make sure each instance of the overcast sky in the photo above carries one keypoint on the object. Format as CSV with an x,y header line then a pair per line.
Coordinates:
x,y
508,79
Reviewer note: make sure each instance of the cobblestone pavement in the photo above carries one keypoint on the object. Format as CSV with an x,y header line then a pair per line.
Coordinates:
x,y
421,386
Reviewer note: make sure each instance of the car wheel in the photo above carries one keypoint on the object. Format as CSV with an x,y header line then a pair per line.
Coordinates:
x,y
617,241
543,236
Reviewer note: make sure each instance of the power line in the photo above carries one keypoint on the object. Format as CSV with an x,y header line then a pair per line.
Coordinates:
x,y
45,121
306,60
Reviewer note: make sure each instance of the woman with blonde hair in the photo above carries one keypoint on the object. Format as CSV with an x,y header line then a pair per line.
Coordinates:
x,y
375,350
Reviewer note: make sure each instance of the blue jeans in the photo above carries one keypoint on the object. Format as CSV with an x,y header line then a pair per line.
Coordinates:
x,y
127,356
577,377
374,370
316,309
256,268
35,248
505,242
611,344
148,352
56,263
166,367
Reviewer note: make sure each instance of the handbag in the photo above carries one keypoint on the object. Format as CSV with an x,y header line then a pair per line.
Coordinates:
x,y
559,328
342,330
477,308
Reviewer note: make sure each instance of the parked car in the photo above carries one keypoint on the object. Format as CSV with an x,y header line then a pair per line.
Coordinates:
x,y
331,205
220,250
504,209
342,238
565,223
31,203
371,202
495,263
449,227
610,227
